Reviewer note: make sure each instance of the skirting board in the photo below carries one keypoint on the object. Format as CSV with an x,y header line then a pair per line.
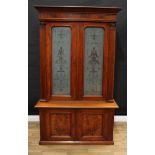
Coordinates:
x,y
117,118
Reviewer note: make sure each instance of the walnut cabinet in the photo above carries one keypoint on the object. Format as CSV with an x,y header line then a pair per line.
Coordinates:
x,y
77,56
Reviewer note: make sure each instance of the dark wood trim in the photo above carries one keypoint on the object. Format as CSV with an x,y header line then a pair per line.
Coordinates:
x,y
78,60
77,13
105,63
78,8
100,20
111,60
43,73
77,142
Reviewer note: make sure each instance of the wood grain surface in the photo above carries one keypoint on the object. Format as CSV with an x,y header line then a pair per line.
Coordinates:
x,y
76,104
77,117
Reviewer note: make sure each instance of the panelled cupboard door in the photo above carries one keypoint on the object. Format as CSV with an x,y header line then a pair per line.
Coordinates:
x,y
57,124
61,47
92,62
95,125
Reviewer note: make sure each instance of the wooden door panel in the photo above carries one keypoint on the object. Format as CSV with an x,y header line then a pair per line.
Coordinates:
x,y
92,125
58,124
95,125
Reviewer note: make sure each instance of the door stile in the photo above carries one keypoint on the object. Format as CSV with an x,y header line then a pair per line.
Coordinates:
x,y
74,60
80,62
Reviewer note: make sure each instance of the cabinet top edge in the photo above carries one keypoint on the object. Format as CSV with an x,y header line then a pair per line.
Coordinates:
x,y
77,104
78,8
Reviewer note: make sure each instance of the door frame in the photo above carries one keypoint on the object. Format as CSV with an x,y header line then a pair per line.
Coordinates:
x,y
81,56
73,73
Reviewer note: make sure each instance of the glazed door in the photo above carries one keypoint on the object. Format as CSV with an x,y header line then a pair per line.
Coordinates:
x,y
76,61
61,46
92,62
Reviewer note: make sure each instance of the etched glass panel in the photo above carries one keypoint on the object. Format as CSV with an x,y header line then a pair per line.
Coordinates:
x,y
61,55
93,61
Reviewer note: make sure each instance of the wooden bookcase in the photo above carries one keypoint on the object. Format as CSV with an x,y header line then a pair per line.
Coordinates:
x,y
77,56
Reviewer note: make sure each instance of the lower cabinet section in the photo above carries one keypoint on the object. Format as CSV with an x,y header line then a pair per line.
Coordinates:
x,y
76,126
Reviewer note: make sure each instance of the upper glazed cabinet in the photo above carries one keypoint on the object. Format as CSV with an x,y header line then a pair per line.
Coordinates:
x,y
77,54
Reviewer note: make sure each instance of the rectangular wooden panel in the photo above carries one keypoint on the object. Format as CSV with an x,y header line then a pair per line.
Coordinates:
x,y
95,125
91,125
60,124
57,124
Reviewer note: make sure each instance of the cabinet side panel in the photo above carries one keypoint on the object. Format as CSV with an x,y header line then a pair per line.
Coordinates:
x,y
43,127
108,123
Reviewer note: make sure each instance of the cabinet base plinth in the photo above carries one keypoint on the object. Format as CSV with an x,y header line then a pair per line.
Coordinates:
x,y
76,142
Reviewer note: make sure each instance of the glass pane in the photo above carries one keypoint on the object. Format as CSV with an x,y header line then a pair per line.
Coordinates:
x,y
61,55
93,61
